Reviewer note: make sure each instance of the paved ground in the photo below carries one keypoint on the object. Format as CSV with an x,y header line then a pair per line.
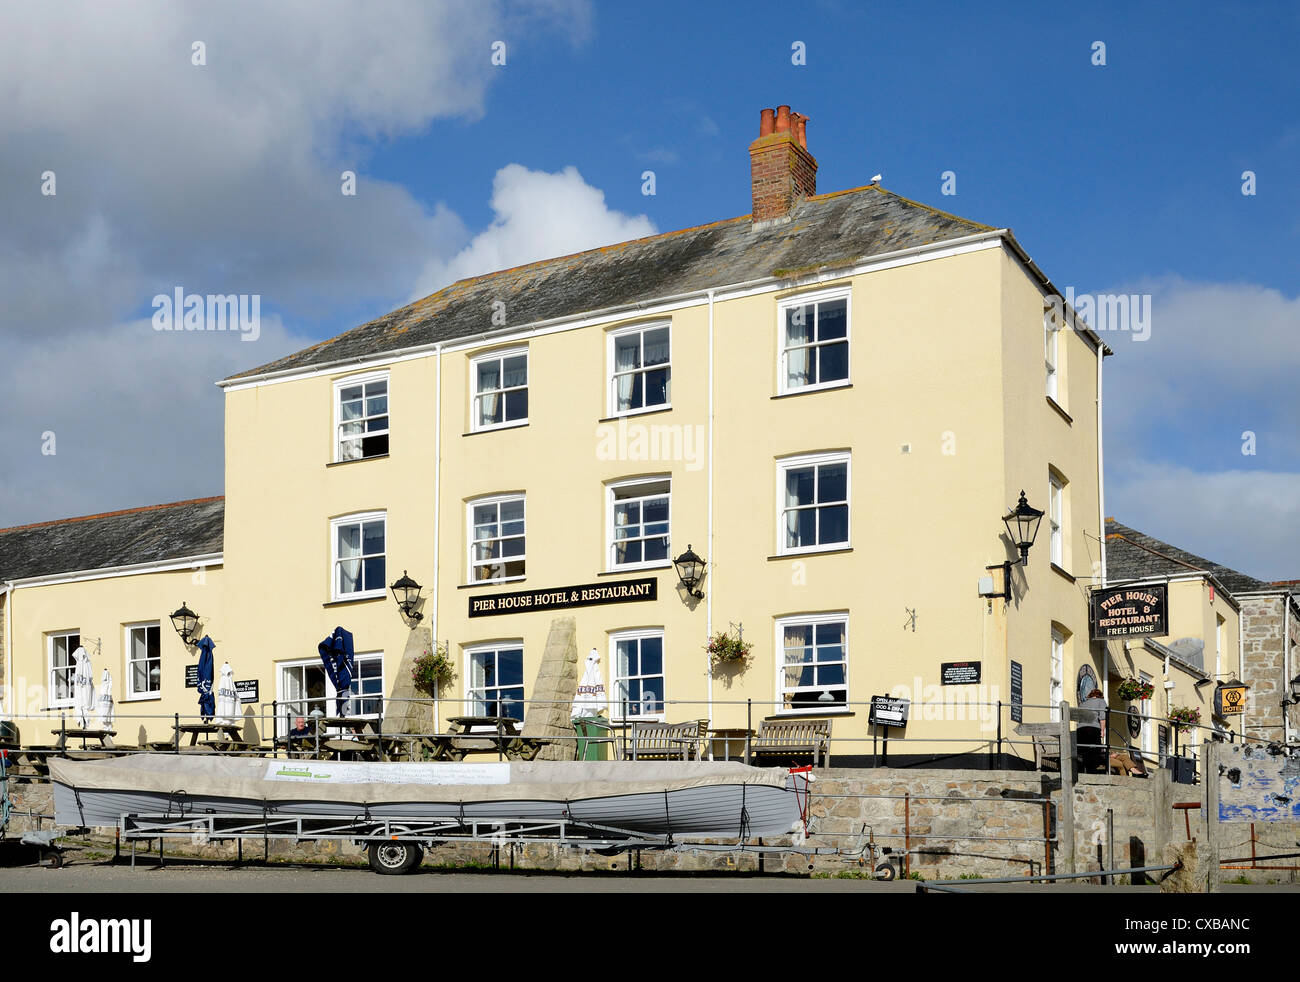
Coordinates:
x,y
83,876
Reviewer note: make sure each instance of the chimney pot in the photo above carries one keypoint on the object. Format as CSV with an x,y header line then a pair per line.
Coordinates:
x,y
766,122
783,119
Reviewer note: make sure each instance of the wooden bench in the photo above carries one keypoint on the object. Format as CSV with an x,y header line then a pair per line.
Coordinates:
x,y
790,738
664,741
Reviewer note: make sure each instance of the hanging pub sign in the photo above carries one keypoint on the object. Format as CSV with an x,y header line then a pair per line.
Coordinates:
x,y
1230,698
191,676
889,711
562,597
1129,612
960,672
247,690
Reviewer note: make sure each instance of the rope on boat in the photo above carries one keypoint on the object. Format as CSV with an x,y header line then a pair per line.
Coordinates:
x,y
744,815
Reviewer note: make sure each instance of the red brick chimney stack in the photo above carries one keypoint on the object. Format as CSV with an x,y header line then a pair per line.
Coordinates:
x,y
781,169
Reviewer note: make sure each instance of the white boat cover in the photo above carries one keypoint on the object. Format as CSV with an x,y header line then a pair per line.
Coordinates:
x,y
361,782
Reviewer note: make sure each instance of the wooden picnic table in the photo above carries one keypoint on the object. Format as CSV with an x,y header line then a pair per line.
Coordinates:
x,y
105,737
231,734
483,735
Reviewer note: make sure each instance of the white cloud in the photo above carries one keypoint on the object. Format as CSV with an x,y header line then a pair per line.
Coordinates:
x,y
537,216
1249,520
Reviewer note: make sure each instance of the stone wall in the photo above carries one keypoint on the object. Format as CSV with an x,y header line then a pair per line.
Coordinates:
x,y
1261,630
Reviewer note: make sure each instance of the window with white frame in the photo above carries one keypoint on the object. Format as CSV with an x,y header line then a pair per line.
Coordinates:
x,y
358,543
62,666
367,687
638,523
1051,354
496,538
638,659
1148,731
640,369
813,653
814,341
361,417
1056,684
1056,518
143,661
500,389
495,680
813,502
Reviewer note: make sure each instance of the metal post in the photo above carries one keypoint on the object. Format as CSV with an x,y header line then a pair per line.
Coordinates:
x,y
1110,851
907,834
999,756
749,725
176,746
275,718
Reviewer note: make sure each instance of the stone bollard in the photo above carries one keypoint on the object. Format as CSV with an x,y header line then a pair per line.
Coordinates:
x,y
1200,872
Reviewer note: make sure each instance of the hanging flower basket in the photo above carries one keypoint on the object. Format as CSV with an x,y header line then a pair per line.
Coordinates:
x,y
1184,718
725,648
1133,690
433,671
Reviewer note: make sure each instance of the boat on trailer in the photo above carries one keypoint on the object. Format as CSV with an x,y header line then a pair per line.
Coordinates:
x,y
604,805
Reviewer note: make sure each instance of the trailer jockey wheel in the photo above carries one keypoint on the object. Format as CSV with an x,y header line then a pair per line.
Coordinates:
x,y
395,857
885,872
54,859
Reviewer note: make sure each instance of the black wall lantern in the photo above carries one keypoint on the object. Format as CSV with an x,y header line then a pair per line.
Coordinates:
x,y
185,621
1295,694
407,594
690,570
1022,526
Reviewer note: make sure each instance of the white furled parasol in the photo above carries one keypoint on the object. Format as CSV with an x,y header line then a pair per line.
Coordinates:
x,y
105,701
227,697
590,699
83,688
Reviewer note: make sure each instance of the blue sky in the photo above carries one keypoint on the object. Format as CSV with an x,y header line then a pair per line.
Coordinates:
x,y
224,178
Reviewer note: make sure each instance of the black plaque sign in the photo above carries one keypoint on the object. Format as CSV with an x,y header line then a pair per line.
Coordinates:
x,y
1017,693
1162,742
247,690
563,597
191,676
889,711
1129,612
960,672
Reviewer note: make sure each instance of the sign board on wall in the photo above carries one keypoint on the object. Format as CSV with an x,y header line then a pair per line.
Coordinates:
x,y
960,672
191,676
563,597
1017,693
247,690
1129,612
889,710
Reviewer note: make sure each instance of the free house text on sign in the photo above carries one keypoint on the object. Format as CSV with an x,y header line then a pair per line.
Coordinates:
x,y
1130,612
561,597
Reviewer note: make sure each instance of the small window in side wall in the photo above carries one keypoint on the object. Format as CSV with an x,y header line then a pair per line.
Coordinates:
x,y
640,369
361,418
1056,519
1056,681
143,661
813,503
497,539
500,385
1052,355
814,341
813,653
639,523
62,666
495,679
638,660
359,544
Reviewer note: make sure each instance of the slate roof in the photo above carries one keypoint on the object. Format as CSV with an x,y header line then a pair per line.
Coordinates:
x,y
118,538
824,230
1132,555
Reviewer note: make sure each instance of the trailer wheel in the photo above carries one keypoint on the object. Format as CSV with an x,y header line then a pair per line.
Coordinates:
x,y
392,858
55,859
885,872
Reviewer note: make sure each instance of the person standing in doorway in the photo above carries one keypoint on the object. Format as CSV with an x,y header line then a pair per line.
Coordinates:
x,y
1092,734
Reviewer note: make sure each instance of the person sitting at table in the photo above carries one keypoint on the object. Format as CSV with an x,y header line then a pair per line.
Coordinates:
x,y
300,728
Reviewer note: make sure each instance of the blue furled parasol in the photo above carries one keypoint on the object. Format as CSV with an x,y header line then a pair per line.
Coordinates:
x,y
207,704
340,665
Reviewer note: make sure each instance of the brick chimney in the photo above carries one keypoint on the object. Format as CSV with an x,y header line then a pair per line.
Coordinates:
x,y
781,169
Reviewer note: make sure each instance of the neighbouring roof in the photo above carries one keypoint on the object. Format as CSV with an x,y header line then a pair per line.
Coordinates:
x,y
1133,555
825,230
117,538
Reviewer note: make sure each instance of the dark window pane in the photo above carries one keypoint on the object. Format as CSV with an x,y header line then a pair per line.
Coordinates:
x,y
834,524
832,318
833,482
652,656
517,405
833,361
799,485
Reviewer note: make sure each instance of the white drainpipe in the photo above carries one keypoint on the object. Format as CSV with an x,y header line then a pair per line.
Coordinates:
x,y
1286,665
1101,475
708,601
437,510
8,653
